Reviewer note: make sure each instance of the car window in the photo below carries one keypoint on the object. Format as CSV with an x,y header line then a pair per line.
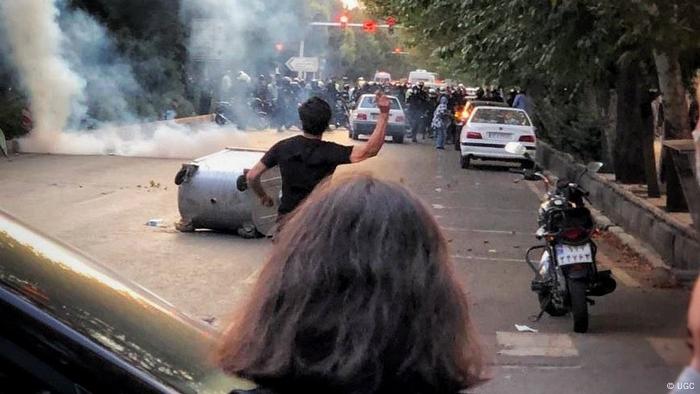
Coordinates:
x,y
500,116
370,102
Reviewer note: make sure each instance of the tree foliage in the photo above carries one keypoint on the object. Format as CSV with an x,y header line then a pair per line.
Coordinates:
x,y
568,53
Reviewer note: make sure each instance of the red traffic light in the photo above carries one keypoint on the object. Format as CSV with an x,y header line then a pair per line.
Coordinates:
x,y
391,22
397,50
369,26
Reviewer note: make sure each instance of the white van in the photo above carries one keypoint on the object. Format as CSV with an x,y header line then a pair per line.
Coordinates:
x,y
381,77
424,76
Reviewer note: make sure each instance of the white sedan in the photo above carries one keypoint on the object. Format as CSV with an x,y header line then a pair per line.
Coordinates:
x,y
489,129
364,118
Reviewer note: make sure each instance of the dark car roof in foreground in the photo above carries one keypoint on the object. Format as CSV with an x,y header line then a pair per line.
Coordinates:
x,y
116,314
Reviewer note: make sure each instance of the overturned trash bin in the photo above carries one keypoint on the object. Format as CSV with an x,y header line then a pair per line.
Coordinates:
x,y
213,194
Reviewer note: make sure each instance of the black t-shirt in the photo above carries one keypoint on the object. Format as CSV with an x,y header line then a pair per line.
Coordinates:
x,y
304,163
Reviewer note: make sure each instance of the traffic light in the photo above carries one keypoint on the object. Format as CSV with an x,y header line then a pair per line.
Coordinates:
x,y
391,22
369,26
344,20
279,47
397,50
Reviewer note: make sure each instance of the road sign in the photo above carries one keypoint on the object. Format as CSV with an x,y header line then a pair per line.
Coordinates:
x,y
303,64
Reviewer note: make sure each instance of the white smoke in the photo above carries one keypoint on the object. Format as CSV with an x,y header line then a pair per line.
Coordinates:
x,y
35,40
109,79
158,139
227,35
67,61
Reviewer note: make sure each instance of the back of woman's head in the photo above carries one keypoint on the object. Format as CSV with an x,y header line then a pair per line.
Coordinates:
x,y
358,296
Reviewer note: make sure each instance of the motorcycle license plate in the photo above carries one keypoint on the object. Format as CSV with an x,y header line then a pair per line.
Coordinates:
x,y
568,254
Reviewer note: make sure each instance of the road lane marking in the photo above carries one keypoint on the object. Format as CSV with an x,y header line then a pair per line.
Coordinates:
x,y
541,367
460,257
482,209
539,193
520,344
673,351
471,230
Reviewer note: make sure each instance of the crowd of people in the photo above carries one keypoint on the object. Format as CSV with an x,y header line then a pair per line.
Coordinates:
x,y
359,293
280,96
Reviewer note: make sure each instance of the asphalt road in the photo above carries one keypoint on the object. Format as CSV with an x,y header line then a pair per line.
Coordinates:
x,y
100,204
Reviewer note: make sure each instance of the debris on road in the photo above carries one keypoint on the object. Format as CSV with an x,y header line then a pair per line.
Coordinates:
x,y
525,328
154,222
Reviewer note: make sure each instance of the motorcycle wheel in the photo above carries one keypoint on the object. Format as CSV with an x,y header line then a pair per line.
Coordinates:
x,y
549,307
219,120
579,305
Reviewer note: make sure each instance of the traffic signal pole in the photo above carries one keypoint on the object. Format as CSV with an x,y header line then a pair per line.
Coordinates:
x,y
338,24
302,75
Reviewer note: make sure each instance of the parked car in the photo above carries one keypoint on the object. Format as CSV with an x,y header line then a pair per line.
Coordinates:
x,y
364,118
462,113
70,325
487,131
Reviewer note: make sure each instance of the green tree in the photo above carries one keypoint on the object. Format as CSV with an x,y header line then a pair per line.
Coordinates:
x,y
568,54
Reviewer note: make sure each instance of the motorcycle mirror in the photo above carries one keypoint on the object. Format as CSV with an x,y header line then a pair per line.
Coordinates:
x,y
594,166
516,148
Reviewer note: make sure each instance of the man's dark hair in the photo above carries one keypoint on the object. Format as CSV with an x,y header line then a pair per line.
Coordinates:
x,y
358,296
315,115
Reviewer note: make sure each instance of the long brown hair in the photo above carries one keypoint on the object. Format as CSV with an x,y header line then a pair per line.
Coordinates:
x,y
358,296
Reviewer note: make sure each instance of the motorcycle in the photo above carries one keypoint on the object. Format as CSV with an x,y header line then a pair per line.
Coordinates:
x,y
257,114
341,114
261,113
223,113
566,275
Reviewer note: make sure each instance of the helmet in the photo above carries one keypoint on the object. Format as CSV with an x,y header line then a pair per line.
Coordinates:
x,y
261,77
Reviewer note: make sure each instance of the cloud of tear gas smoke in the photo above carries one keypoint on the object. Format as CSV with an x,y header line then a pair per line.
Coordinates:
x,y
35,39
234,35
109,80
158,139
74,76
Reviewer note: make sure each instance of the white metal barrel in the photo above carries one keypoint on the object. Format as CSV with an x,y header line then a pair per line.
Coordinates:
x,y
212,194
